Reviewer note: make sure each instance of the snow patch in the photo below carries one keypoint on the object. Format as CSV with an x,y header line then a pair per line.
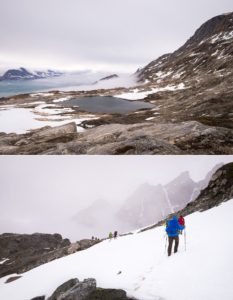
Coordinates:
x,y
62,99
4,260
136,94
21,120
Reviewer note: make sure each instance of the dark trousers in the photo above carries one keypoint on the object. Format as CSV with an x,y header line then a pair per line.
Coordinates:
x,y
170,242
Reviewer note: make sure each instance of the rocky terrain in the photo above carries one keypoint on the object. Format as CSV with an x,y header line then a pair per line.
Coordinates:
x,y
24,74
74,289
22,252
116,139
191,90
219,189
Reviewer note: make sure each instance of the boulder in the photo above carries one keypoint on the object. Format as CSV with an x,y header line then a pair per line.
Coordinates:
x,y
74,289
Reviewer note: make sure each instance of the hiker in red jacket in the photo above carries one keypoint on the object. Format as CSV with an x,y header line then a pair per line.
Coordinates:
x,y
181,221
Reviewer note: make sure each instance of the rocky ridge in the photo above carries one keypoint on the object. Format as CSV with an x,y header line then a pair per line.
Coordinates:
x,y
22,252
204,66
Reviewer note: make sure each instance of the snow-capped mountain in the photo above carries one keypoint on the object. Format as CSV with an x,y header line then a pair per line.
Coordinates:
x,y
148,204
219,189
22,73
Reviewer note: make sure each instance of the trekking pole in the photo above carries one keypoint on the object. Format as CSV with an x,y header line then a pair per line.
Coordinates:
x,y
165,245
184,240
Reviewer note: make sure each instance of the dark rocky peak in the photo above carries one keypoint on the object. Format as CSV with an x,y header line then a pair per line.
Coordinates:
x,y
22,73
16,74
219,24
109,77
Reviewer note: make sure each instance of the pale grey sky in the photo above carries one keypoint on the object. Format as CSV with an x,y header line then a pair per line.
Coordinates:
x,y
38,192
113,35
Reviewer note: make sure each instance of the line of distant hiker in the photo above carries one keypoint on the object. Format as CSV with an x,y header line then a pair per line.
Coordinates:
x,y
110,236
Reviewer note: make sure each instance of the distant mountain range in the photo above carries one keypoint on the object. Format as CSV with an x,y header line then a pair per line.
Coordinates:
x,y
148,204
24,74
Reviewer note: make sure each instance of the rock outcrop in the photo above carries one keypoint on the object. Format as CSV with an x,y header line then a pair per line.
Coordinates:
x,y
74,289
189,137
23,252
37,141
14,244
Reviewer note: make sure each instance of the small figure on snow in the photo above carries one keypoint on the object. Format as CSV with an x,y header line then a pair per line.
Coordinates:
x,y
115,234
173,227
110,235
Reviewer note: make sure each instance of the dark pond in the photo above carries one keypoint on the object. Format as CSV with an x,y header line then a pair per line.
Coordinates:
x,y
100,104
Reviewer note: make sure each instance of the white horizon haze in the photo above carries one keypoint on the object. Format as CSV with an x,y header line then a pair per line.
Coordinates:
x,y
106,35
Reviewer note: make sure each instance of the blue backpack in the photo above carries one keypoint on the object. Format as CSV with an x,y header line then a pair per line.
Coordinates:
x,y
173,227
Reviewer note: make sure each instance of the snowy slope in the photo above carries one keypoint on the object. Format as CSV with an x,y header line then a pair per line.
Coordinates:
x,y
203,271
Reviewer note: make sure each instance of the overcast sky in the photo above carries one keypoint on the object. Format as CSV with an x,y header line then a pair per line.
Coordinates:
x,y
118,35
37,191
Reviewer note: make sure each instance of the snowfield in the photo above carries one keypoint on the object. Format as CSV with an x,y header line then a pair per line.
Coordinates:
x,y
202,272
137,94
22,120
